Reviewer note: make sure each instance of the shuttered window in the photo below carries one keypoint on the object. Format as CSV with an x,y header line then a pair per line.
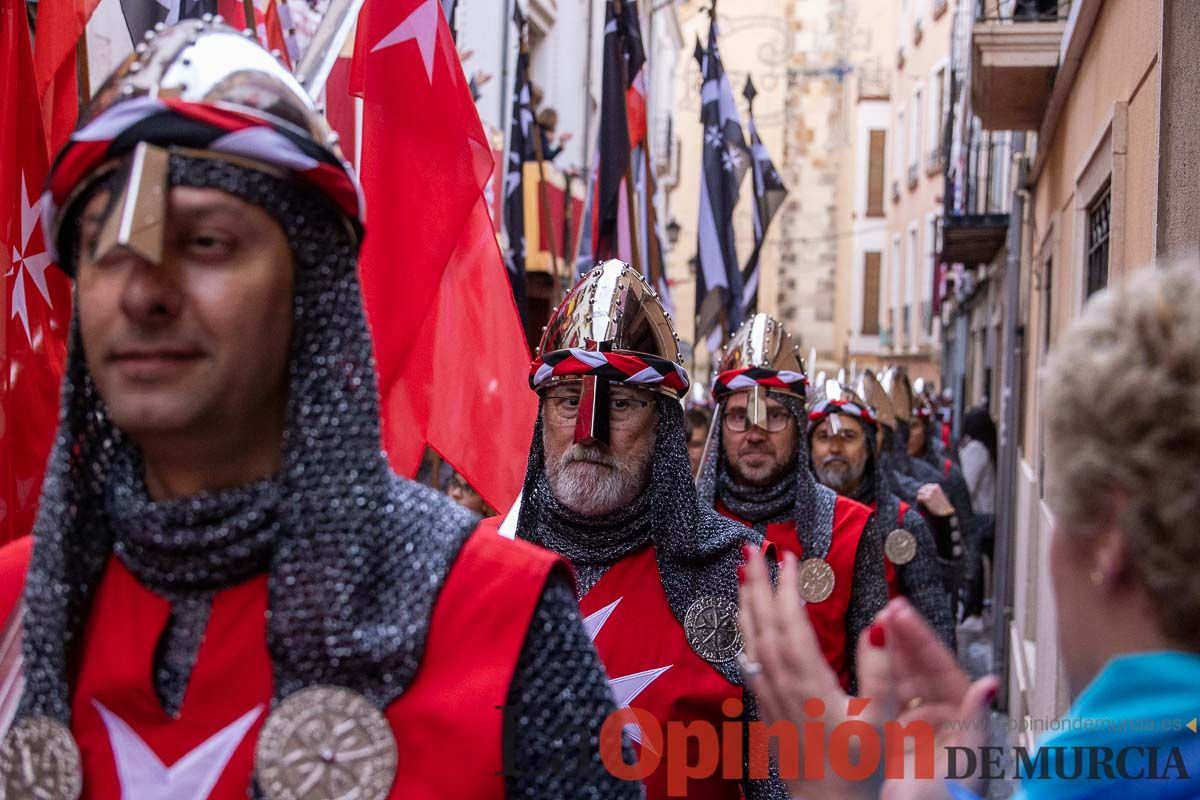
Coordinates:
x,y
871,266
875,176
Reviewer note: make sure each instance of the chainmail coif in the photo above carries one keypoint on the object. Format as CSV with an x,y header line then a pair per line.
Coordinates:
x,y
358,555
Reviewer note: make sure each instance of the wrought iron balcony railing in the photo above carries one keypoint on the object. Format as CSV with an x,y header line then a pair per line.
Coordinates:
x,y
1022,10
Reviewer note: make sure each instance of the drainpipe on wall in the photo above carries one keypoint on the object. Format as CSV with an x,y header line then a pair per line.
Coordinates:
x,y
1006,488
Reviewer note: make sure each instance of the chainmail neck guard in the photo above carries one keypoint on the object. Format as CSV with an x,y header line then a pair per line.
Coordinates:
x,y
592,541
757,504
203,543
809,504
355,556
698,551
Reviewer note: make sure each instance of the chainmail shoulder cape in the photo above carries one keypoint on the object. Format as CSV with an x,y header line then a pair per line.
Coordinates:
x,y
812,507
698,550
356,556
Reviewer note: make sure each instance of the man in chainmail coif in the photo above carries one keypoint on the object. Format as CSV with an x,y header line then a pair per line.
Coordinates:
x,y
756,471
841,437
229,592
940,492
609,486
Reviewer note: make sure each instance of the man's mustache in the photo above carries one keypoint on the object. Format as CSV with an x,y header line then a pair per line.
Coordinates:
x,y
578,453
829,460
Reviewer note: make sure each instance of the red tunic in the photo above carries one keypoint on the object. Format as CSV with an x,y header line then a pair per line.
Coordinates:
x,y
451,707
829,616
646,653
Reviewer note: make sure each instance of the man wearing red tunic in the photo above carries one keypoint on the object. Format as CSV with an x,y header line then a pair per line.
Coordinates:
x,y
842,446
229,593
756,471
609,487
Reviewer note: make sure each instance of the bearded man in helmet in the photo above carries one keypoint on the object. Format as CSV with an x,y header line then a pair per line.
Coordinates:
x,y
756,471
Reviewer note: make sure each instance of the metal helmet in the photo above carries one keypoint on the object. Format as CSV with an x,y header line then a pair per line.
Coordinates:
x,y
870,390
834,399
200,89
895,383
610,328
761,357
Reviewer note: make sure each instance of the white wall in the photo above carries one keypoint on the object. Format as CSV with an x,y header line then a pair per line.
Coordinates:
x,y
869,234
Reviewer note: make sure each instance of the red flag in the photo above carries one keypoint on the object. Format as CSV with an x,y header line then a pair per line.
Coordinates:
x,y
339,108
273,37
635,109
448,342
37,297
60,24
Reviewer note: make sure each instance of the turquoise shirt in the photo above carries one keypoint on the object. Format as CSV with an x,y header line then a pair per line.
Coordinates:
x,y
1139,706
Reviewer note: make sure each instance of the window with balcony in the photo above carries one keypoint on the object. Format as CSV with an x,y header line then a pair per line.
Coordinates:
x,y
1015,48
1098,214
899,154
875,172
871,268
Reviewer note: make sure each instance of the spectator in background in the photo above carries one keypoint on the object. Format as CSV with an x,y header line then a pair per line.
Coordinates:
x,y
977,454
547,123
696,424
465,495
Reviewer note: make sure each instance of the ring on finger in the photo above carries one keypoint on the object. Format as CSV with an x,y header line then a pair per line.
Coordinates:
x,y
750,669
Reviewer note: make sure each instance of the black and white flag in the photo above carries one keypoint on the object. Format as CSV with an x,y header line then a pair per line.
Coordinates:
x,y
519,142
769,194
725,161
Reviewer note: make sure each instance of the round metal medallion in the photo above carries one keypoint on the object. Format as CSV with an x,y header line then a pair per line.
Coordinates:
x,y
900,547
712,629
325,742
39,758
816,580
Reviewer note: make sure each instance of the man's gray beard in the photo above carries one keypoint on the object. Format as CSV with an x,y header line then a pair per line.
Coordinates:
x,y
592,482
839,475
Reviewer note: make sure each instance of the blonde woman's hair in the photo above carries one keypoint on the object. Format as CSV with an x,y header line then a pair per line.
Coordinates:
x,y
1122,410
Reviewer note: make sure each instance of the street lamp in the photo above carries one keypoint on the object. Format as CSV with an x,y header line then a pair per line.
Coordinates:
x,y
673,229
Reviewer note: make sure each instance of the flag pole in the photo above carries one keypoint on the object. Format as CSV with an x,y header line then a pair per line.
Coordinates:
x,y
543,196
248,9
544,204
83,71
651,219
630,195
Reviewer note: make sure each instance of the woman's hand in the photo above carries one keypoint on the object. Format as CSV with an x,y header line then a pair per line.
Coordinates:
x,y
905,675
934,499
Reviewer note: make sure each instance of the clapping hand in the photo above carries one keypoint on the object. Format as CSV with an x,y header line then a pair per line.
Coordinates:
x,y
905,675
